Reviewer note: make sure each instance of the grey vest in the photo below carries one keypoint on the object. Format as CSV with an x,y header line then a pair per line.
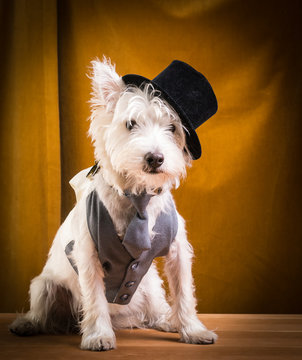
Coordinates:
x,y
126,262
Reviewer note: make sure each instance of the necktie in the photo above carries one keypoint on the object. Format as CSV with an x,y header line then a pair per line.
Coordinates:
x,y
137,239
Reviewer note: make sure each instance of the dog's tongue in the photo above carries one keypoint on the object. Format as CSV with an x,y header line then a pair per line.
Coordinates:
x,y
137,239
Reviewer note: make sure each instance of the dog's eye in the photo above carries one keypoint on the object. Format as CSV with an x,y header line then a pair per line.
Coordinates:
x,y
130,124
172,128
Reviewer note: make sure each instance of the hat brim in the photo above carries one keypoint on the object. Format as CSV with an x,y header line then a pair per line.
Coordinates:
x,y
192,140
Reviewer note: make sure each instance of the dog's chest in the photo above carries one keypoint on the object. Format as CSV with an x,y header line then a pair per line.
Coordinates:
x,y
121,213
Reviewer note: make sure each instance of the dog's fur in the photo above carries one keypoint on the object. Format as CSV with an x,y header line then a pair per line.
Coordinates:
x,y
126,123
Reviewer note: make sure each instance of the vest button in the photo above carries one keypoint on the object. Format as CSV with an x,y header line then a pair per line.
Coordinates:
x,y
124,297
129,284
134,266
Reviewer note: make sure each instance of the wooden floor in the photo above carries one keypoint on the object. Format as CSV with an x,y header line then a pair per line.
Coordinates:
x,y
240,337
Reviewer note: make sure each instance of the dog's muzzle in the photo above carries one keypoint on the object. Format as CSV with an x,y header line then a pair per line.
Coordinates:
x,y
153,162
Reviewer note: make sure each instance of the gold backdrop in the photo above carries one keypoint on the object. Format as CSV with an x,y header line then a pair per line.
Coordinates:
x,y
241,200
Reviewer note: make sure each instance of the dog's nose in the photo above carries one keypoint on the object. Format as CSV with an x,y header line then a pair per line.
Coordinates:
x,y
154,160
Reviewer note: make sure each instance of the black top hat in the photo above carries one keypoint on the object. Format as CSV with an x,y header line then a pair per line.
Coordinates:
x,y
188,92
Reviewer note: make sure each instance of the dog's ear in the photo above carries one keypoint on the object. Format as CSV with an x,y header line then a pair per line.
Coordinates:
x,y
106,83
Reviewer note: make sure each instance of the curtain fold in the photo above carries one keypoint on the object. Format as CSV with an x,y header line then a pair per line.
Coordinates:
x,y
242,199
30,144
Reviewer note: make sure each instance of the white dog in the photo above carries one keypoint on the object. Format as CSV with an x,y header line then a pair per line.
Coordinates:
x,y
143,143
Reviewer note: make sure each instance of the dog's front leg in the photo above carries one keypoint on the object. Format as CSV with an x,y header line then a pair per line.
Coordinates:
x,y
97,332
178,269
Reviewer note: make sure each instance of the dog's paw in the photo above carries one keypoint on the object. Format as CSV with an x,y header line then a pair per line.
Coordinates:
x,y
164,325
23,327
98,342
197,335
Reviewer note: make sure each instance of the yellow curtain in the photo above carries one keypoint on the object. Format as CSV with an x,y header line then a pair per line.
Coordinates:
x,y
30,144
242,199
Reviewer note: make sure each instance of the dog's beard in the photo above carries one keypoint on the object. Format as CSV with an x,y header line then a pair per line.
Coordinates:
x,y
153,171
140,180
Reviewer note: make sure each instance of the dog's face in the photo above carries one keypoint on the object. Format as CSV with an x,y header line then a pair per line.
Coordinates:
x,y
138,138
